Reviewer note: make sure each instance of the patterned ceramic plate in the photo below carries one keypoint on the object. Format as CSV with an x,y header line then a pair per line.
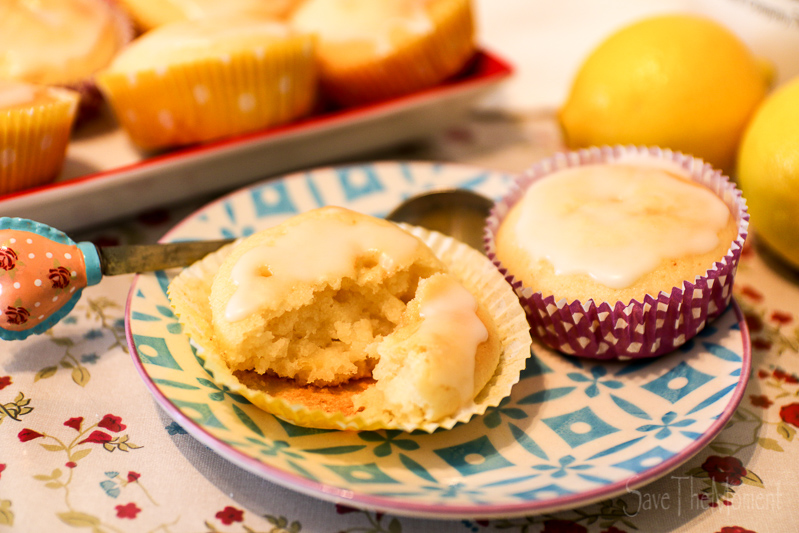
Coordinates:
x,y
571,433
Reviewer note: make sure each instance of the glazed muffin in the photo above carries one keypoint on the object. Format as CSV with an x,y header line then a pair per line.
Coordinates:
x,y
371,51
35,125
194,81
619,252
340,320
149,14
61,42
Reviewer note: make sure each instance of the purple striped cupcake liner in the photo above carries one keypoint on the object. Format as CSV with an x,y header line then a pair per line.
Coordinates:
x,y
626,330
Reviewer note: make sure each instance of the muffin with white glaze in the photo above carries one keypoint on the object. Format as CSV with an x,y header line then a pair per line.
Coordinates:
x,y
335,319
61,43
35,125
619,252
194,81
370,51
150,14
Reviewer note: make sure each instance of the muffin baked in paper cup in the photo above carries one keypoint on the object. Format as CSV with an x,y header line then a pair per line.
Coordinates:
x,y
91,99
34,139
213,94
190,290
619,329
423,58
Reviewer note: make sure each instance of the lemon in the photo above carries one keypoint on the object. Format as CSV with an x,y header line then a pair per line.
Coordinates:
x,y
676,81
768,171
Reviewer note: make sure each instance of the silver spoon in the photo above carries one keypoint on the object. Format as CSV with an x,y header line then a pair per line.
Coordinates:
x,y
43,271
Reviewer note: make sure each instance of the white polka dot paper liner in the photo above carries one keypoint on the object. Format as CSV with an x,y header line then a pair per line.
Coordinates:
x,y
220,95
627,330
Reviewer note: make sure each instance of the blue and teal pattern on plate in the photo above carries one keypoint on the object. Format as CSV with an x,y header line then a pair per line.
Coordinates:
x,y
572,432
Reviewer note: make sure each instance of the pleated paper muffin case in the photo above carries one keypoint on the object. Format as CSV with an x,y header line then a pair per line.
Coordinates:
x,y
216,96
34,140
190,290
635,329
415,64
91,99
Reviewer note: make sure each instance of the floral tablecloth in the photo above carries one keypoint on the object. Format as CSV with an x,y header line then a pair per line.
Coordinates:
x,y
84,446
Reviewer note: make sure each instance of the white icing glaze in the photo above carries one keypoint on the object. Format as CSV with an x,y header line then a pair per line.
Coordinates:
x,y
197,9
12,94
338,21
55,41
193,39
450,318
315,249
616,222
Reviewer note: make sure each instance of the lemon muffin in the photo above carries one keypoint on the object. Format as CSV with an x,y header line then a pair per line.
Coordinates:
x,y
61,42
35,125
149,14
620,252
194,81
337,319
371,51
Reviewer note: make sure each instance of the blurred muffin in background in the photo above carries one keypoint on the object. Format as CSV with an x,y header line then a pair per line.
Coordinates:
x,y
149,14
370,50
35,124
193,81
61,43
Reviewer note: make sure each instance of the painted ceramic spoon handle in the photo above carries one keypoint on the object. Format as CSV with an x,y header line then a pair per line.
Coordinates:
x,y
43,271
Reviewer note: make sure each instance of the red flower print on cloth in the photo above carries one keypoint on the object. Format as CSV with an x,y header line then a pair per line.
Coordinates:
x,y
753,322
17,315
229,514
129,510
762,374
761,344
98,437
735,529
112,423
28,434
790,414
2,467
562,526
59,277
5,381
782,375
727,470
70,464
781,317
74,423
8,258
751,293
133,476
760,401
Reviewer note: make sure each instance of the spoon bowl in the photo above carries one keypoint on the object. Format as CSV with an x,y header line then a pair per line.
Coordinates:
x,y
459,213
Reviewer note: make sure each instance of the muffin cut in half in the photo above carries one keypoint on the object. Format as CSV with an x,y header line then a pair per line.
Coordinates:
x,y
336,319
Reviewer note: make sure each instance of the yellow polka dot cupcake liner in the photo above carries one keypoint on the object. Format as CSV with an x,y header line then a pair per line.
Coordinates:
x,y
418,64
33,140
317,407
215,97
